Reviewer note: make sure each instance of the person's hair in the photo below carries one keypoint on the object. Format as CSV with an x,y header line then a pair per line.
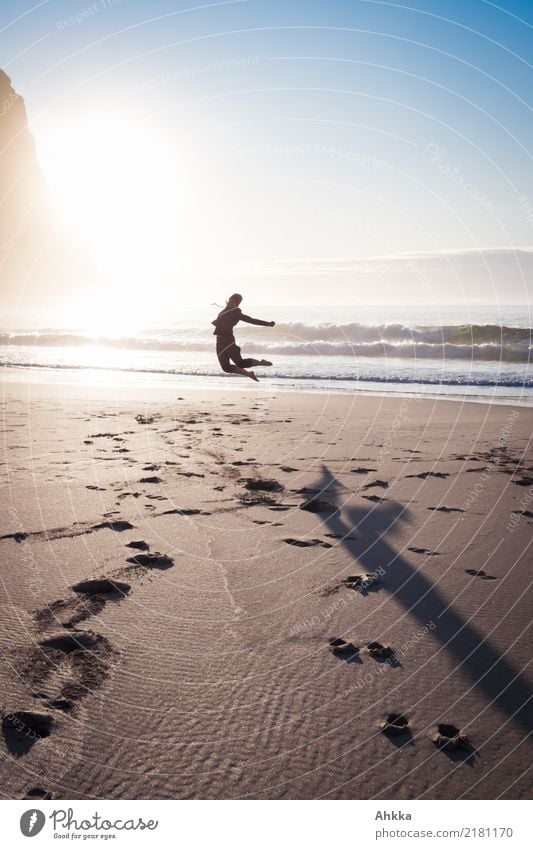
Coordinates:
x,y
233,301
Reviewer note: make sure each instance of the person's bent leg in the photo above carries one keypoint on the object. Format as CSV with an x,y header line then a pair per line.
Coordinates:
x,y
245,373
225,349
235,355
226,366
223,354
250,363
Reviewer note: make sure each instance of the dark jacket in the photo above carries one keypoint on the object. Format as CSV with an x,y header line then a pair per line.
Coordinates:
x,y
228,318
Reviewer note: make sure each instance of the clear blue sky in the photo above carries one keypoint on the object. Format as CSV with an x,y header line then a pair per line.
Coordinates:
x,y
318,131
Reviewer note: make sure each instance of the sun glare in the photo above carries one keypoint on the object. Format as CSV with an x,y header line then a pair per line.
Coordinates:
x,y
121,187
115,316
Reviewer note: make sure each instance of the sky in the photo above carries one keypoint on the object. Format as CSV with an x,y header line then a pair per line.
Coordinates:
x,y
307,151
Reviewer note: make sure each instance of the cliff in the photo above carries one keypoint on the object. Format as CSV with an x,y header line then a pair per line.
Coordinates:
x,y
42,263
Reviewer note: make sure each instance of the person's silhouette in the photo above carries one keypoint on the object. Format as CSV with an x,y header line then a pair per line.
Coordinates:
x,y
228,352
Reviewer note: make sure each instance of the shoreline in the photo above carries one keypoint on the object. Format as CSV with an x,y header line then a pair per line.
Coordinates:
x,y
102,377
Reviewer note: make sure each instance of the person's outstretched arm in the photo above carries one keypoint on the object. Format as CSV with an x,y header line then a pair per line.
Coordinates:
x,y
251,320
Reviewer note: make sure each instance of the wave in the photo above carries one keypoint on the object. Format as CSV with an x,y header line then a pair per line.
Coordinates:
x,y
485,342
457,334
421,380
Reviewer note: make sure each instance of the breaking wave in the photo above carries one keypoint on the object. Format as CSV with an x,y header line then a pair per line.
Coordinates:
x,y
468,342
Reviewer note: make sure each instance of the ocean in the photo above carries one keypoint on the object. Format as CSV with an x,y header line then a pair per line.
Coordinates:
x,y
476,352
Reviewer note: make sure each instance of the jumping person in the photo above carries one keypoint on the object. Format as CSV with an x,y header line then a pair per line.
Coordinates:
x,y
228,352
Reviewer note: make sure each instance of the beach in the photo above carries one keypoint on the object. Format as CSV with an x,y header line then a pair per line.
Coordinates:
x,y
174,567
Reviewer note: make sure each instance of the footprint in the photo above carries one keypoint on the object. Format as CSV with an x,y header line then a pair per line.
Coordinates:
x,y
251,499
57,704
362,583
38,793
447,509
68,613
184,511
95,593
118,525
75,530
395,724
424,475
339,536
151,479
101,586
480,573
424,551
23,729
361,470
139,544
380,652
68,666
375,498
305,543
74,642
382,484
259,485
450,738
344,650
316,505
524,481
152,561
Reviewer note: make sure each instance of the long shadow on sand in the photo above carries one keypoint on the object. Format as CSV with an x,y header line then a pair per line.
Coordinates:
x,y
473,653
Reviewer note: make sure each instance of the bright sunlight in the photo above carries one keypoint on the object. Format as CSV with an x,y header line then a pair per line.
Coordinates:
x,y
121,187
